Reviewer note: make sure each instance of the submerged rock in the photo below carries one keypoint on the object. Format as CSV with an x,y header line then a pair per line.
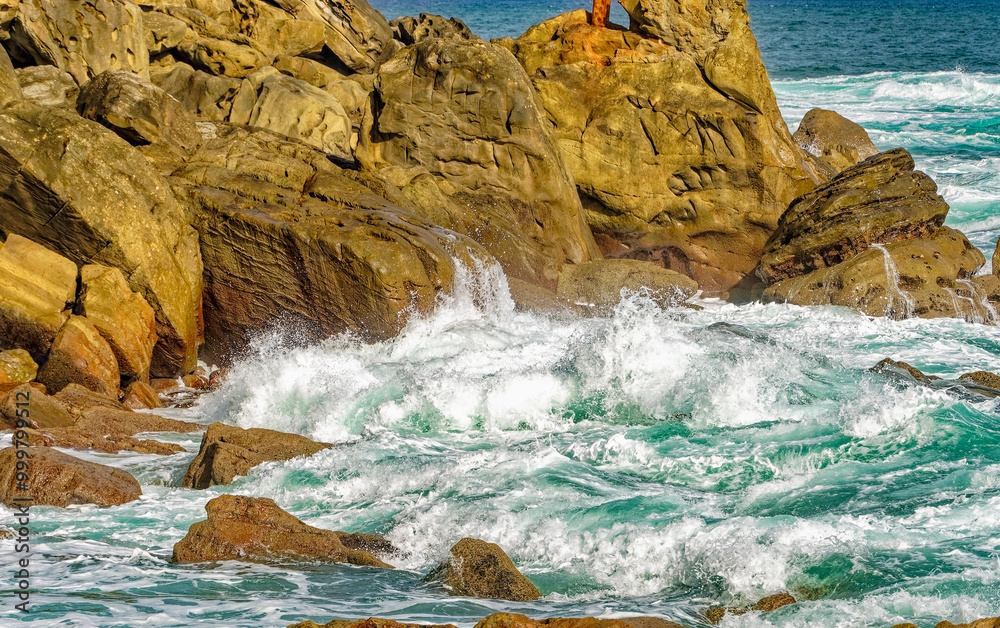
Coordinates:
x,y
890,366
769,603
58,479
228,451
480,569
982,378
249,529
600,283
833,139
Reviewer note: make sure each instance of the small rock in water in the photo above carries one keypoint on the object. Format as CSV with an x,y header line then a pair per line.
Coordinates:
x,y
888,365
769,603
58,479
983,378
483,570
991,622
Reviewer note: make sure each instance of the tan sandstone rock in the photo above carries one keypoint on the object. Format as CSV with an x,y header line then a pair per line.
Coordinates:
x,y
48,86
480,569
10,88
466,112
76,187
36,288
413,30
58,479
833,139
228,451
81,355
990,622
141,396
249,529
600,283
17,367
42,410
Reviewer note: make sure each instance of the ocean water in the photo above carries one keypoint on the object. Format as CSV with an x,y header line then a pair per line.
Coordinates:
x,y
647,462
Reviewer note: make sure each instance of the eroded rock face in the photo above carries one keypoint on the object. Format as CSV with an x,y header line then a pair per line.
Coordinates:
x,y
673,168
75,187
17,367
82,356
58,479
834,140
413,30
82,38
138,111
878,201
466,113
10,88
480,569
43,411
287,236
928,278
37,286
600,283
228,451
249,529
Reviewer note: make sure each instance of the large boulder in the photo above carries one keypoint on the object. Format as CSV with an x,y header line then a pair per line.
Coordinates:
x,y
480,569
122,317
879,201
47,85
138,111
58,479
928,278
288,236
249,529
203,94
82,38
228,451
833,139
37,286
675,141
79,189
349,93
600,283
466,113
81,355
43,411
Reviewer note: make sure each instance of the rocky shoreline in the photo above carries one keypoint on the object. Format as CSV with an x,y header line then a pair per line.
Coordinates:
x,y
178,177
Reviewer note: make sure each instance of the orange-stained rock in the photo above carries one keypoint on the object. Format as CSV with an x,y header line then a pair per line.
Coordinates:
x,y
58,479
141,396
250,529
480,569
41,410
228,451
70,438
82,356
122,317
371,622
508,620
17,367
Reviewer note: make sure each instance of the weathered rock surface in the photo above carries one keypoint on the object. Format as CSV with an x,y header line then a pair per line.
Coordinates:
x,y
371,622
43,411
349,93
72,185
673,166
983,378
769,603
833,139
600,283
48,86
413,30
36,288
893,367
249,529
991,622
372,543
17,367
201,93
81,355
466,113
71,438
480,569
121,316
58,479
508,620
228,451
928,278
10,88
82,38
287,236
878,201
138,111
141,396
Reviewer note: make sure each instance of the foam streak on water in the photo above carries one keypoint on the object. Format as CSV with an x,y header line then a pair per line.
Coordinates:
x,y
653,461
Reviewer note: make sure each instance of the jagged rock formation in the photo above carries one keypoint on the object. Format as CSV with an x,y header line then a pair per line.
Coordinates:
x,y
678,150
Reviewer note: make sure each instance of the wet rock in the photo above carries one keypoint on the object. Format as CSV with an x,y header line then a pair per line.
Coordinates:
x,y
228,451
982,378
71,438
121,316
138,111
82,356
833,139
50,32
48,86
10,88
512,620
879,201
17,367
58,479
413,30
892,367
165,386
629,109
36,288
769,603
371,622
927,278
81,398
372,543
466,113
111,422
42,410
196,381
600,283
71,185
249,529
992,622
480,569
141,396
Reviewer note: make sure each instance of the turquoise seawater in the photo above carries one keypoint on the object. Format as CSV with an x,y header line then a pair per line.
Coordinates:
x,y
651,461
